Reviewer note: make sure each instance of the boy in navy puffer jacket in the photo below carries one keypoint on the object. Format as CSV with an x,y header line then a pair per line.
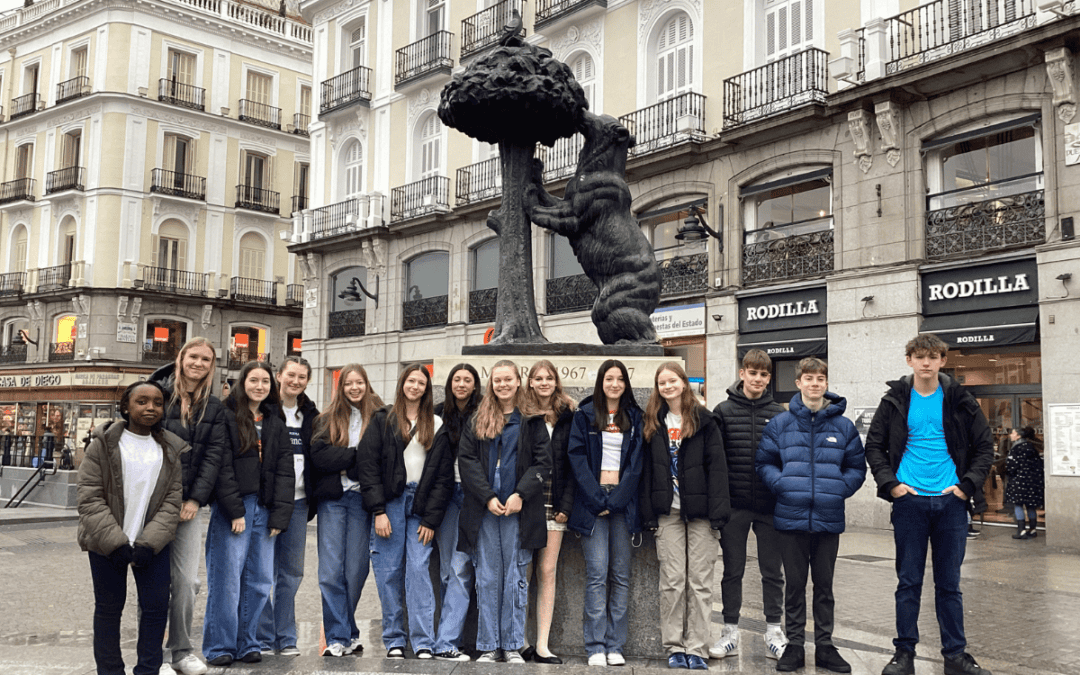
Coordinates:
x,y
811,458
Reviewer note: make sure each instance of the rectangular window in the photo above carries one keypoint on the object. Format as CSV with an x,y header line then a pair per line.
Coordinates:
x,y
256,170
20,253
984,168
24,161
30,79
305,100
259,88
181,67
78,63
71,150
300,179
800,204
251,262
179,154
357,53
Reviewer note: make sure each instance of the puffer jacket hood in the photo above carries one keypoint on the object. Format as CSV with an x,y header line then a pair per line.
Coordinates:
x,y
741,421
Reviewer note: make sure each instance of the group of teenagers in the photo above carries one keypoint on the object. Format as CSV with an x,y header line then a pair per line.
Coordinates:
x,y
494,476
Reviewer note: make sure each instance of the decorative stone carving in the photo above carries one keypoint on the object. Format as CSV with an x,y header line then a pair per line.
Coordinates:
x,y
207,312
75,306
313,260
650,8
1059,70
357,123
331,12
70,117
164,206
36,309
136,307
20,216
421,103
590,34
859,126
65,206
177,119
888,121
84,304
373,253
121,307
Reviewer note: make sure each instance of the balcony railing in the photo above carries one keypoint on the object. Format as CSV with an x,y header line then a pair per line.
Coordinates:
x,y
15,190
183,95
335,219
294,295
684,274
72,89
163,181
788,252
12,283
160,352
560,160
425,312
259,113
664,124
1012,221
257,199
25,105
483,29
253,290
13,354
241,356
299,203
341,90
482,305
54,278
424,56
173,281
931,30
570,294
480,181
300,123
425,196
347,323
62,351
71,178
552,10
776,87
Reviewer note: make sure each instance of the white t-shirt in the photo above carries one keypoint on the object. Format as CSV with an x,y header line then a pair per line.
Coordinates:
x,y
140,460
294,420
673,423
416,455
611,444
356,424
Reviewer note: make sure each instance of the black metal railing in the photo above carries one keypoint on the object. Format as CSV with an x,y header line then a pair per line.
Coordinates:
x,y
25,105
420,198
347,323
788,251
549,10
560,160
163,181
483,29
30,452
776,87
343,89
299,203
253,290
160,352
666,123
14,190
480,181
257,199
70,178
294,295
259,113
62,351
570,294
73,88
241,356
924,33
13,354
300,123
482,304
173,281
12,283
334,219
684,274
424,56
54,278
860,73
183,95
425,312
1013,221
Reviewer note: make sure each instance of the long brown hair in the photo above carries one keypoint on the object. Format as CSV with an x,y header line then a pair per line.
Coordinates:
x,y
687,402
488,422
425,418
195,402
333,423
245,420
599,398
559,400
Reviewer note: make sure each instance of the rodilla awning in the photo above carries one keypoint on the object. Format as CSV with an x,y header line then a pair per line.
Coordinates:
x,y
1013,326
794,343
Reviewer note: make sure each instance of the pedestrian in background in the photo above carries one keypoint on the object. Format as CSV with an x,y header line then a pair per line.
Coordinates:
x,y
1024,467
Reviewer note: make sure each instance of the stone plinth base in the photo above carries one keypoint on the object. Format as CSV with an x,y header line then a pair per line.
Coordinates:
x,y
574,370
553,350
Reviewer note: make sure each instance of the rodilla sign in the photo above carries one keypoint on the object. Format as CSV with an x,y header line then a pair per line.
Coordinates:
x,y
1011,283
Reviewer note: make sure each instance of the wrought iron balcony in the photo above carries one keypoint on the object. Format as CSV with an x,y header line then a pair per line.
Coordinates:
x,y
294,295
429,195
684,274
347,323
54,278
260,114
482,30
12,283
341,90
16,190
183,95
480,181
25,105
424,57
72,89
549,12
560,160
160,352
482,305
792,251
61,351
300,123
13,354
334,219
257,199
425,312
173,281
241,356
299,203
570,294
253,290
71,178
667,123
173,183
776,87
1007,222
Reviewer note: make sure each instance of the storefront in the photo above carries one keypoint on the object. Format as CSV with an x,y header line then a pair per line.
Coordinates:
x,y
681,330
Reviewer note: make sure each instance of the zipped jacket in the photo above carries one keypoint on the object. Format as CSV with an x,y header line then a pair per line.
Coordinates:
x,y
306,407
272,478
562,473
741,421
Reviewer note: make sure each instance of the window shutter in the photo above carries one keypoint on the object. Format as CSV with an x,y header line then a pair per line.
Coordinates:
x,y
168,153
181,254
796,23
305,100
808,12
770,34
154,245
782,19
78,63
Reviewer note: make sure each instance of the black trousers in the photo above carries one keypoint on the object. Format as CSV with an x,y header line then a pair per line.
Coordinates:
x,y
810,554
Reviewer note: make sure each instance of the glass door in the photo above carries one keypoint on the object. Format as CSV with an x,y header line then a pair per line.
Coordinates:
x,y
1004,413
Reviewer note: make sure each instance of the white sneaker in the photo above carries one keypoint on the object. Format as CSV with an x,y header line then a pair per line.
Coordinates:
x,y
290,651
775,641
354,647
728,644
166,669
334,649
615,659
513,656
489,657
598,659
190,665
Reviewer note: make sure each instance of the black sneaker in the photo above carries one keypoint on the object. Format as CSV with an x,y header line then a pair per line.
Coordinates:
x,y
827,657
395,653
972,533
251,657
903,663
963,664
224,660
793,658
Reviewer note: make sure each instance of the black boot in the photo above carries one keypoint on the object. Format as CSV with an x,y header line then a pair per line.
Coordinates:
x,y
1021,529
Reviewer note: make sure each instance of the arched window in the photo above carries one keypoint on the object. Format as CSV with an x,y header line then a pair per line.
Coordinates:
x,y
675,58
11,337
65,328
17,263
247,343
428,159
66,242
662,225
427,290
352,170
484,281
563,261
585,74
252,256
170,247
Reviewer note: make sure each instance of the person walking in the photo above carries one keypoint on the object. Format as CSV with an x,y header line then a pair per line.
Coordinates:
x,y
1024,467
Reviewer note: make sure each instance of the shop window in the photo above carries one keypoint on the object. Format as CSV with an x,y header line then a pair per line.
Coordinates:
x,y
427,290
293,343
663,225
65,329
163,340
484,281
247,343
348,302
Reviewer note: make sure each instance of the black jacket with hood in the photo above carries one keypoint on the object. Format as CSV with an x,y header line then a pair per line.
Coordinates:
x,y
306,407
741,421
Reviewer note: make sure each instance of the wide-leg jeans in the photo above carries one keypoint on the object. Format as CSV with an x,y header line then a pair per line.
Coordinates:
x,y
344,531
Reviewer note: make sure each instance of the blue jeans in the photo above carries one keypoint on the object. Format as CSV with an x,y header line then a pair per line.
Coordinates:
x,y
277,625
941,522
1032,514
239,578
184,570
607,584
110,593
456,572
502,587
344,530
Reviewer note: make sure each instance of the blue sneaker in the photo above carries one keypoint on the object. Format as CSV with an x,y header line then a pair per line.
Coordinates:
x,y
677,660
695,662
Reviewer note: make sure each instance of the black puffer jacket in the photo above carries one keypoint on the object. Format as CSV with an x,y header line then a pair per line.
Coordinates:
x,y
741,421
562,474
272,478
381,470
306,407
703,483
209,440
328,463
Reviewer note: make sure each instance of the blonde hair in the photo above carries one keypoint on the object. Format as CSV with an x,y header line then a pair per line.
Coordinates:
x,y
197,398
688,404
559,400
333,423
488,421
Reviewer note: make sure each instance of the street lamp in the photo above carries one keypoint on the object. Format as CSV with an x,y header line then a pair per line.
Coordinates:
x,y
355,288
694,227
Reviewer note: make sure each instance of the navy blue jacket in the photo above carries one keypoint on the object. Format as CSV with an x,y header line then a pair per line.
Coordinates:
x,y
586,451
812,462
